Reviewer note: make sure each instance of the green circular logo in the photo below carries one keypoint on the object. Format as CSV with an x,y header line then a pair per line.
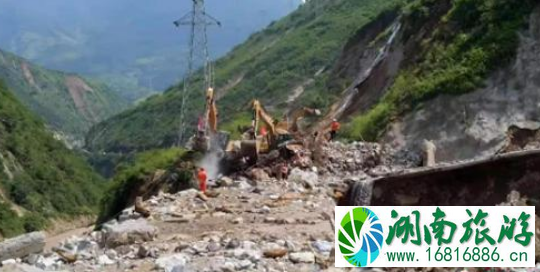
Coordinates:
x,y
360,237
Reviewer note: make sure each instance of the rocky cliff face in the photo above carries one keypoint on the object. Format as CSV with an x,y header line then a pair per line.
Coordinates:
x,y
374,56
476,124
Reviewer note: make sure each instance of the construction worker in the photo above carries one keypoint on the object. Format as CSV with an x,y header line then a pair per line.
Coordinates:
x,y
201,175
334,128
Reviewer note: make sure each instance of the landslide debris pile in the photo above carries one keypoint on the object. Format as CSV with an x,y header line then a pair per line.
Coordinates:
x,y
240,229
364,157
243,224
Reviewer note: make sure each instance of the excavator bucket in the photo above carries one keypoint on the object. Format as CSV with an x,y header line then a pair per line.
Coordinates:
x,y
474,183
198,142
249,149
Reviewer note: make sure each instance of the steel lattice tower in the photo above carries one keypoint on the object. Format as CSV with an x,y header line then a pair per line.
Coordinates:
x,y
198,21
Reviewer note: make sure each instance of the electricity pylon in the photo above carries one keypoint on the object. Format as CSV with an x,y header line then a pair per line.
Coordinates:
x,y
197,20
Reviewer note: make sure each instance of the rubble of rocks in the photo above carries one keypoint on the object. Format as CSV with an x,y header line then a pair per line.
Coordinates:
x,y
360,158
241,224
93,251
522,136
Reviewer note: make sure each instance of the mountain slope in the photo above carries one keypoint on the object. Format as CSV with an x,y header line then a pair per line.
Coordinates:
x,y
371,65
69,103
450,47
480,122
131,45
285,66
39,177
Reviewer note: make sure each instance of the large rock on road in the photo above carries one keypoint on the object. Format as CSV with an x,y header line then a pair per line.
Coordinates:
x,y
128,232
22,246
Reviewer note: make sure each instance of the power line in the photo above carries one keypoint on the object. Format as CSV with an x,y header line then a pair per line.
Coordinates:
x,y
197,20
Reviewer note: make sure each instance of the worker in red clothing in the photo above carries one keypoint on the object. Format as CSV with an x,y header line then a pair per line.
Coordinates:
x,y
263,131
334,128
201,175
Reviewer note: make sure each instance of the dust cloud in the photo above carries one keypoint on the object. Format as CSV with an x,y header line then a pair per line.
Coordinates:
x,y
211,163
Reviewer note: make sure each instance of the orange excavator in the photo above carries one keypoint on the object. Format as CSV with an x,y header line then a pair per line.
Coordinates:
x,y
211,111
285,134
254,143
208,137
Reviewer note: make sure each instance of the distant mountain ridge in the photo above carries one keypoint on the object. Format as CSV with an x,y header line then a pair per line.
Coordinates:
x,y
69,103
131,45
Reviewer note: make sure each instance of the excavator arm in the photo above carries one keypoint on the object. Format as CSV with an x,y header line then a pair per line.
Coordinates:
x,y
211,111
277,133
300,114
207,130
260,113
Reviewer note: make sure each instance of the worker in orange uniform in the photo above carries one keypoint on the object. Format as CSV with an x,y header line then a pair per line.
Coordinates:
x,y
202,179
334,128
263,131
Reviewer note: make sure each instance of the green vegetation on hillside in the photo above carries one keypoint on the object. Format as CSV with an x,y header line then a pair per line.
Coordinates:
x,y
38,173
268,66
47,93
469,42
132,175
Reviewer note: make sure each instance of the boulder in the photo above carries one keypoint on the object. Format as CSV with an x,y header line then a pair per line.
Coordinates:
x,y
129,214
22,246
140,208
258,174
172,263
48,263
77,248
228,267
145,252
245,254
238,220
224,182
104,260
308,179
128,232
241,184
323,246
20,268
275,253
302,257
8,262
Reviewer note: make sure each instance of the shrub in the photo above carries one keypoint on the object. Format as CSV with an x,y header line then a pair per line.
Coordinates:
x,y
50,181
130,176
